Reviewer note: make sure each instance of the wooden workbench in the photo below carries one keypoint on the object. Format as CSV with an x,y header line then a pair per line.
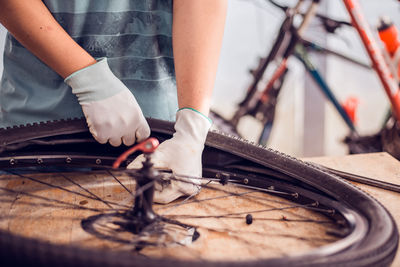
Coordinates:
x,y
380,166
65,204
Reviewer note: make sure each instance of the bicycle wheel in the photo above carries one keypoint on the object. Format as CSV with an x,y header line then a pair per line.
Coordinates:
x,y
245,180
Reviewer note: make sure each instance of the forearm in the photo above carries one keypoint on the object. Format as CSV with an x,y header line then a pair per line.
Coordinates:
x,y
198,28
31,23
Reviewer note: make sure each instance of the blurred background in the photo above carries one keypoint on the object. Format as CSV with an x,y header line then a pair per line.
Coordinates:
x,y
305,125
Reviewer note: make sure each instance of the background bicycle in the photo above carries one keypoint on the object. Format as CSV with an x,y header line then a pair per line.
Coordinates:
x,y
291,133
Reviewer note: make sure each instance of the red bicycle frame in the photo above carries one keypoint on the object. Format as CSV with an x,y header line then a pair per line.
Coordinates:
x,y
389,83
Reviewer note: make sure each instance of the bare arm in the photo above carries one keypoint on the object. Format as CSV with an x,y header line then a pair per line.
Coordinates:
x,y
31,23
198,28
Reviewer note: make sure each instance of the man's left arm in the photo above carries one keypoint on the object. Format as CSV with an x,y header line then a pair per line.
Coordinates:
x,y
197,33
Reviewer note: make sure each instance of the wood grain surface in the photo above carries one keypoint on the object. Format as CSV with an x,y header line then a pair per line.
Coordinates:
x,y
379,166
52,207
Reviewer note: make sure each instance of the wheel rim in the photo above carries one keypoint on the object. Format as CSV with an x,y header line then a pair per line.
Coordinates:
x,y
224,154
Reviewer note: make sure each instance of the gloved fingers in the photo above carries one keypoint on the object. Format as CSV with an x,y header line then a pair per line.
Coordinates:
x,y
142,127
143,131
129,139
156,159
166,196
102,136
110,108
97,135
115,141
99,138
188,186
181,154
167,190
175,190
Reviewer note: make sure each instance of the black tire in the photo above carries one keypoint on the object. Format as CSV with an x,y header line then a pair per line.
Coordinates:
x,y
374,238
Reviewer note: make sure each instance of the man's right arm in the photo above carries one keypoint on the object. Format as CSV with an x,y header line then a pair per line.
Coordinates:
x,y
111,111
32,24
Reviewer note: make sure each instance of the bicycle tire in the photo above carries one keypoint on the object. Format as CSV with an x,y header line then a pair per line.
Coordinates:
x,y
376,248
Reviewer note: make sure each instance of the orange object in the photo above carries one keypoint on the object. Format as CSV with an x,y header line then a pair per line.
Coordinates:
x,y
147,146
350,106
390,37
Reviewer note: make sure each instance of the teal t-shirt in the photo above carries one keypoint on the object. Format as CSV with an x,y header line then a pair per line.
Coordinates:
x,y
135,36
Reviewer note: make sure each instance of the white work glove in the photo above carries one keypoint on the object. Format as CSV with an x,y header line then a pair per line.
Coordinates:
x,y
111,110
182,154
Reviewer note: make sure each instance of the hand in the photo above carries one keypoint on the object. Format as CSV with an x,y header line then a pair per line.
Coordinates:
x,y
111,110
182,154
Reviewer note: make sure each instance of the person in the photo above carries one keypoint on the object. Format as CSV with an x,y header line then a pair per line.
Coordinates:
x,y
115,62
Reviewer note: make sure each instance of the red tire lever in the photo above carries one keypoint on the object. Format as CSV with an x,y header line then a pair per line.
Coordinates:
x,y
147,146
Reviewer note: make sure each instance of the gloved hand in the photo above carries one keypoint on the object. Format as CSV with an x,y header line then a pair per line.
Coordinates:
x,y
182,154
111,110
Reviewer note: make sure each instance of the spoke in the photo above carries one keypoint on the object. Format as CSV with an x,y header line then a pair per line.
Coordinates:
x,y
86,190
140,190
185,180
61,188
311,206
28,217
116,179
236,234
74,206
268,190
229,193
202,200
183,202
232,215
